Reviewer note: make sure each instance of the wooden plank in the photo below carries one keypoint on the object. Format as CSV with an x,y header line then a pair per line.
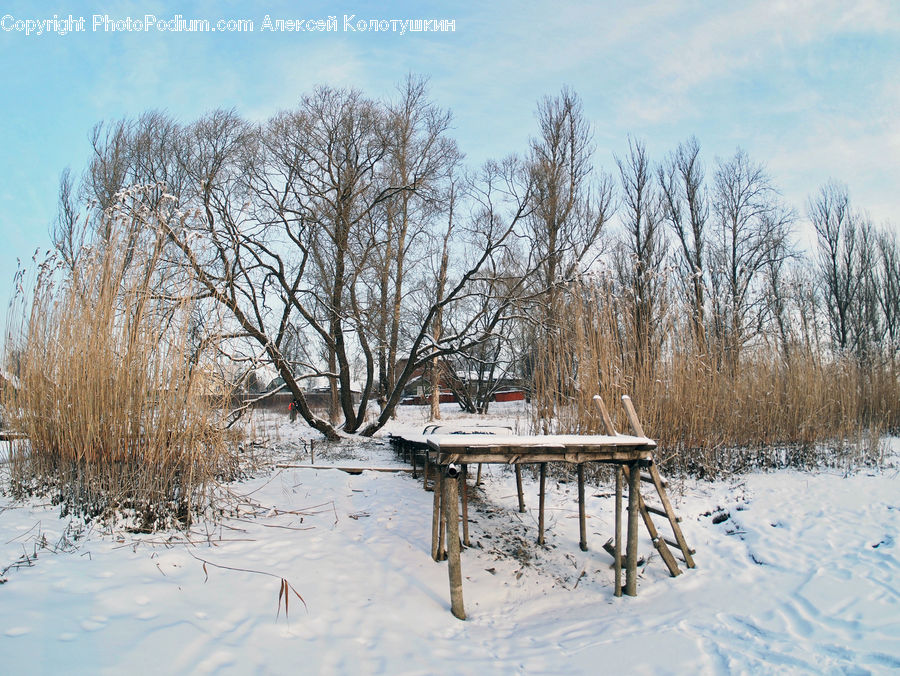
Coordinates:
x,y
454,566
524,444
617,456
659,512
675,545
349,470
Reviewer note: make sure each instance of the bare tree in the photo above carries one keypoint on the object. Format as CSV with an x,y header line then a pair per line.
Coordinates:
x,y
443,269
282,230
640,257
751,230
572,202
421,157
70,228
866,314
144,151
847,264
686,212
572,206
888,286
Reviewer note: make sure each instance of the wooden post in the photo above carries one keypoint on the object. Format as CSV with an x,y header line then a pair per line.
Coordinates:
x,y
439,480
436,527
451,505
519,489
464,479
425,469
478,476
582,526
631,554
413,452
617,558
541,504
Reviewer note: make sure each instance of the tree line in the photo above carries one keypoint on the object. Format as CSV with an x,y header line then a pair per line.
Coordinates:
x,y
346,241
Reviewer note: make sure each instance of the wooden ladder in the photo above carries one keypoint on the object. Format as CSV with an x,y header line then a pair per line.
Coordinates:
x,y
662,544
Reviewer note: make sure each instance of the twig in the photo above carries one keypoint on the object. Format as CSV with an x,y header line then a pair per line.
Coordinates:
x,y
284,588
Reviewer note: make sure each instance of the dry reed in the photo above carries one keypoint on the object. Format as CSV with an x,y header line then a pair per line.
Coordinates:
x,y
709,418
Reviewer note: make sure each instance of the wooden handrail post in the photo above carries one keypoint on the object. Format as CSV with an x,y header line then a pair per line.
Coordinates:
x,y
604,415
632,416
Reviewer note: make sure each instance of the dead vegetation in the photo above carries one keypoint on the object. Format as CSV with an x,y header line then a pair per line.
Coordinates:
x,y
709,416
120,402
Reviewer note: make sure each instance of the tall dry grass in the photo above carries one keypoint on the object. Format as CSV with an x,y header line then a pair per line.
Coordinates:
x,y
120,408
708,417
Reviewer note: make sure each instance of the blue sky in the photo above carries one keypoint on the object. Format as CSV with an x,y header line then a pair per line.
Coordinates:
x,y
810,88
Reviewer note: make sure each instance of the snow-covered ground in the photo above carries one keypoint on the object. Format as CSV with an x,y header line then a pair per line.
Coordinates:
x,y
803,576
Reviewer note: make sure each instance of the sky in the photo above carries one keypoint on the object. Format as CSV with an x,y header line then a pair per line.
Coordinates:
x,y
810,88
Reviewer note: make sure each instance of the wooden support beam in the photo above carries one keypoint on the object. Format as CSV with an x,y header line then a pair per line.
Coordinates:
x,y
631,553
617,556
439,480
519,489
648,478
582,526
478,476
435,527
454,567
464,480
541,497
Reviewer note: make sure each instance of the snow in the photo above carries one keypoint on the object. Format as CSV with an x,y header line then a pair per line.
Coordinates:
x,y
803,576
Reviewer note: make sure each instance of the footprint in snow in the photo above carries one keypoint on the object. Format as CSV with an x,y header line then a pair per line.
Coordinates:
x,y
17,631
93,623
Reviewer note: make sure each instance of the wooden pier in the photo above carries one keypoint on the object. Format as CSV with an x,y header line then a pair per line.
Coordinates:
x,y
447,456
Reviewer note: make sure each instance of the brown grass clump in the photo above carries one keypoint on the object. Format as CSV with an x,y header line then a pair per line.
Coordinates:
x,y
120,403
709,418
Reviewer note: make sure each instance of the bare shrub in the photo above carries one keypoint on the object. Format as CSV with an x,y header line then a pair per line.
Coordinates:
x,y
121,406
